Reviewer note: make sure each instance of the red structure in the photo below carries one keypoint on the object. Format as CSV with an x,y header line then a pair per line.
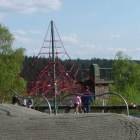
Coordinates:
x,y
54,79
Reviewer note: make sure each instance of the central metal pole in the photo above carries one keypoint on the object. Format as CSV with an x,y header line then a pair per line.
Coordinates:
x,y
54,69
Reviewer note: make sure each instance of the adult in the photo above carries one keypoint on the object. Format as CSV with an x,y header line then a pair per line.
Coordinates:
x,y
29,103
87,99
15,100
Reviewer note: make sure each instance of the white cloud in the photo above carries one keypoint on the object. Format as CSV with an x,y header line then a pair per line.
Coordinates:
x,y
124,49
31,40
71,39
116,36
2,16
22,32
76,46
35,32
31,44
27,39
19,32
29,6
113,49
22,38
137,49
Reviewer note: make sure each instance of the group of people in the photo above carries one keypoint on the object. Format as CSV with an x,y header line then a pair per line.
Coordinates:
x,y
83,103
22,101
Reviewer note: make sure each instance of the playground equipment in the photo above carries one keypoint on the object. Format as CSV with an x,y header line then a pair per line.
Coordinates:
x,y
54,79
103,94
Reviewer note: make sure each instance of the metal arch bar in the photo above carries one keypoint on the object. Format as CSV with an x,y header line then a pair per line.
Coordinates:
x,y
50,109
111,93
119,95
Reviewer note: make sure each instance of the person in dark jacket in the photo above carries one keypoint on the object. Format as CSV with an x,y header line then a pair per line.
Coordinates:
x,y
87,99
15,100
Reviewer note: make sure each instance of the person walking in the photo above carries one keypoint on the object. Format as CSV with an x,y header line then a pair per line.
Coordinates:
x,y
77,104
87,100
15,100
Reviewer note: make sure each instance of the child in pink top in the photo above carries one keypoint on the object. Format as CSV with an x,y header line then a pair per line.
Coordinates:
x,y
77,104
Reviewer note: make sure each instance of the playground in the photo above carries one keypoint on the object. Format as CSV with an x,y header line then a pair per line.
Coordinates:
x,y
52,89
20,123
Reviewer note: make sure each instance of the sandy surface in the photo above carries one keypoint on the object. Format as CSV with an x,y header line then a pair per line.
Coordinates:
x,y
19,123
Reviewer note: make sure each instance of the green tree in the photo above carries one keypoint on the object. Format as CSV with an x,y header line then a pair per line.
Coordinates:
x,y
126,74
10,65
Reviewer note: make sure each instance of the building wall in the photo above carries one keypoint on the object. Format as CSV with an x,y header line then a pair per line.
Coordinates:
x,y
100,89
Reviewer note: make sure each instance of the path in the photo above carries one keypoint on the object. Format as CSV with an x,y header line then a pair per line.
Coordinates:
x,y
19,123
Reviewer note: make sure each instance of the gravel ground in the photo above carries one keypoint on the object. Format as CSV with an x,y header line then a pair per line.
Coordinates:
x,y
19,123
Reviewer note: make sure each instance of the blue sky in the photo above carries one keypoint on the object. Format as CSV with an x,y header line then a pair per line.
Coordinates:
x,y
88,28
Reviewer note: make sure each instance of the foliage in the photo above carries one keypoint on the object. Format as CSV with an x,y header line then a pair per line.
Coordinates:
x,y
97,102
33,65
10,62
114,100
126,75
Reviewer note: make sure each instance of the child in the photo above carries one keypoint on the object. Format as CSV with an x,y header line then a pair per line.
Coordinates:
x,y
77,104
